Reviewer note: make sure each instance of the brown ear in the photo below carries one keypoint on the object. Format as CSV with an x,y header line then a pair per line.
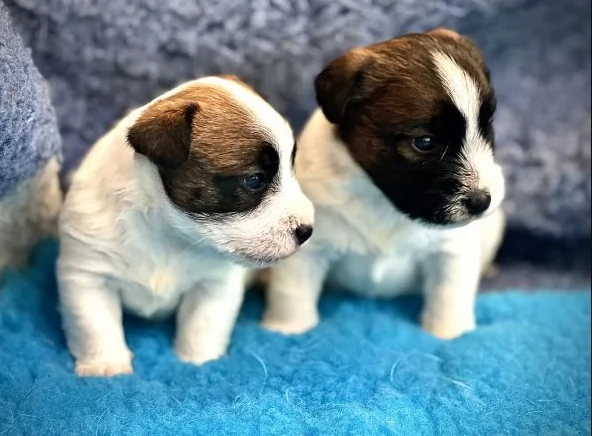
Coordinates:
x,y
163,132
341,83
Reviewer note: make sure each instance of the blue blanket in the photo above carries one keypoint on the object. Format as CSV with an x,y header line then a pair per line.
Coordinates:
x,y
368,369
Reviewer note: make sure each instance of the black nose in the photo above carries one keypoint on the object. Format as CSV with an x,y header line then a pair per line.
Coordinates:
x,y
478,202
302,234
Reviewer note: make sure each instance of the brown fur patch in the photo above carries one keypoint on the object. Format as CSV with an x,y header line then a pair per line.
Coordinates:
x,y
203,141
369,90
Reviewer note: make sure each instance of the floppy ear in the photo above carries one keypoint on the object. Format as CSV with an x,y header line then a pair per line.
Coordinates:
x,y
163,132
342,83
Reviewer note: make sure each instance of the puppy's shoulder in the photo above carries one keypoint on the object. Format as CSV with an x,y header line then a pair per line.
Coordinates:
x,y
98,186
325,169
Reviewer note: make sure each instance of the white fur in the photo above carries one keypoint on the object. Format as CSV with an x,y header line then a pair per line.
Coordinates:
x,y
362,243
123,245
481,170
29,214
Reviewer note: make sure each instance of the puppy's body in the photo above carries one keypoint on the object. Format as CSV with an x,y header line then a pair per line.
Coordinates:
x,y
169,224
379,251
390,219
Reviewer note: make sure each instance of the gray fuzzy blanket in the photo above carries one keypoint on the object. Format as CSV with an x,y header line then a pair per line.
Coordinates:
x,y
103,56
29,134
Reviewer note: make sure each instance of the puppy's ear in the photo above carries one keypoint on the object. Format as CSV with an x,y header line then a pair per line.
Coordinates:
x,y
163,132
342,83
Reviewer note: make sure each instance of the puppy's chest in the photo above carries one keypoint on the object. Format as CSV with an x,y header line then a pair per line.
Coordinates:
x,y
386,274
372,234
155,274
378,257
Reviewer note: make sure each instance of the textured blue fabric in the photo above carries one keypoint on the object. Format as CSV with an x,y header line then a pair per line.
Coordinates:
x,y
29,134
367,369
103,56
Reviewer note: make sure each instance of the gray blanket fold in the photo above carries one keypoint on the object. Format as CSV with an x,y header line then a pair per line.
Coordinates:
x,y
29,134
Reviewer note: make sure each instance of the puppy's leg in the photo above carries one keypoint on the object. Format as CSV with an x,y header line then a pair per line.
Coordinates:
x,y
206,317
91,316
293,293
450,289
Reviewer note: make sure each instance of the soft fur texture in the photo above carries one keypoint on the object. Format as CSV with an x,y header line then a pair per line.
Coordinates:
x,y
160,220
30,150
367,369
113,54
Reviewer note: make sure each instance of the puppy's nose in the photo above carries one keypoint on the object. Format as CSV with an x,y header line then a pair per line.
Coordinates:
x,y
478,202
302,234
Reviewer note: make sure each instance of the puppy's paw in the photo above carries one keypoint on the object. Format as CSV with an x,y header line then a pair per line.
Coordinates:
x,y
198,357
447,327
103,367
291,327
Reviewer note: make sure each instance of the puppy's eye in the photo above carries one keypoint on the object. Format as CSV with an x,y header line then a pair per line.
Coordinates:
x,y
254,182
424,144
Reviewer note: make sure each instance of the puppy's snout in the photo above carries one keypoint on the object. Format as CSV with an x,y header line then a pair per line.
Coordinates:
x,y
302,233
478,202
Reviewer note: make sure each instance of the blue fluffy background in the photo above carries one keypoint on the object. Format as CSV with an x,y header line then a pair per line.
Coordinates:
x,y
367,369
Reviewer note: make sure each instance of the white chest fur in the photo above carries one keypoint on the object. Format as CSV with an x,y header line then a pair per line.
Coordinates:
x,y
154,268
391,257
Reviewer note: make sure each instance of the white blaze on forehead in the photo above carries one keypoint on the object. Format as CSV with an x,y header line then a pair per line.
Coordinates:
x,y
459,85
477,153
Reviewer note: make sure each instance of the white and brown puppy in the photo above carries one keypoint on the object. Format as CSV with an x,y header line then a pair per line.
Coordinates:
x,y
165,214
399,164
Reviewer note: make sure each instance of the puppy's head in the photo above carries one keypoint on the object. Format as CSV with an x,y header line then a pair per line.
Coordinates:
x,y
416,114
225,158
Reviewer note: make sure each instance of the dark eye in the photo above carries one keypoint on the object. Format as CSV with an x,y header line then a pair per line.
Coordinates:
x,y
424,144
254,182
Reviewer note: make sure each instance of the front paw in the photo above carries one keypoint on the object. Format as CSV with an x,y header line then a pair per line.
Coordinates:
x,y
103,367
292,326
448,327
200,356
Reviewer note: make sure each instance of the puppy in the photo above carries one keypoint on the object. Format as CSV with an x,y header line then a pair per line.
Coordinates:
x,y
166,212
29,214
399,164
